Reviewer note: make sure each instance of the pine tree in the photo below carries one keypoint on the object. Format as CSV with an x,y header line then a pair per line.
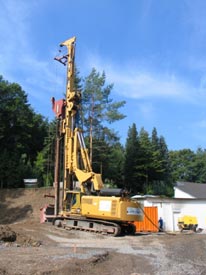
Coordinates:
x,y
132,153
199,166
161,181
99,111
145,160
182,162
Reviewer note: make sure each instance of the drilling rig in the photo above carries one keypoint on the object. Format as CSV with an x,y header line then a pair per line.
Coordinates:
x,y
83,203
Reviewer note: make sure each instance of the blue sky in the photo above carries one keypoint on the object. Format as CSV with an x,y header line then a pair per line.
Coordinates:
x,y
154,51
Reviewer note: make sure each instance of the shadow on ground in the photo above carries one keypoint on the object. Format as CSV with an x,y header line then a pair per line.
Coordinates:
x,y
21,203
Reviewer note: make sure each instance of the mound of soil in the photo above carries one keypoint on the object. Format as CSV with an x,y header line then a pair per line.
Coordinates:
x,y
28,247
6,234
22,204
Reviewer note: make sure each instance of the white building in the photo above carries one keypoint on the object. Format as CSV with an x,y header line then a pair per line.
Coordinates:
x,y
189,200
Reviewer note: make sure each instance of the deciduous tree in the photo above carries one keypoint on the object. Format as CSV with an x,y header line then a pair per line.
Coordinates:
x,y
22,134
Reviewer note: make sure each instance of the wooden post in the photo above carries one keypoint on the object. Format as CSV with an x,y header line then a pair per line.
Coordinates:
x,y
56,171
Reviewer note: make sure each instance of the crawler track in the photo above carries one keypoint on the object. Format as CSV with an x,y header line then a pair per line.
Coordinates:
x,y
95,226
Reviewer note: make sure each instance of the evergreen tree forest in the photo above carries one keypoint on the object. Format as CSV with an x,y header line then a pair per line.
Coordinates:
x,y
143,165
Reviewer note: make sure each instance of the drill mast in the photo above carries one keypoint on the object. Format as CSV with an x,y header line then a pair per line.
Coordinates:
x,y
76,160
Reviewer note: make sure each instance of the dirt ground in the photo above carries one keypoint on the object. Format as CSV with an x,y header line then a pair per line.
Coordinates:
x,y
43,249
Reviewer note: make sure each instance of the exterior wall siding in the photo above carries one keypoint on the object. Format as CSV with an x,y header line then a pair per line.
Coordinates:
x,y
171,209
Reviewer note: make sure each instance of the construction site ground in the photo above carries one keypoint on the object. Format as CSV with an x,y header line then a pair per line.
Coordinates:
x,y
44,249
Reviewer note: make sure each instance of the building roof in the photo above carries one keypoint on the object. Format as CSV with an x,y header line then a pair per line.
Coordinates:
x,y
196,190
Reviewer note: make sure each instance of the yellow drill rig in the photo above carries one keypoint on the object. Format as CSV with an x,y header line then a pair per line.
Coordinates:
x,y
83,203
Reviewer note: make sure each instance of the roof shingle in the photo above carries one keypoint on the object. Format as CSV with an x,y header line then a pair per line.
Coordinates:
x,y
197,190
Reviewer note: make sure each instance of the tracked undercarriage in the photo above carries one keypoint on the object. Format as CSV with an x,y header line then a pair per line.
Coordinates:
x,y
95,226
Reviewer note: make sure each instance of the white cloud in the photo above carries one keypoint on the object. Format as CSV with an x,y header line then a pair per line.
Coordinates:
x,y
18,61
146,84
147,110
14,27
141,83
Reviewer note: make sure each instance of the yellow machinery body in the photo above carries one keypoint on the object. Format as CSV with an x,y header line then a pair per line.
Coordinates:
x,y
103,207
187,223
111,208
78,206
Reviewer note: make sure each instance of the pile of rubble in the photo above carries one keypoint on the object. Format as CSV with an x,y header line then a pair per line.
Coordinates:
x,y
10,237
6,234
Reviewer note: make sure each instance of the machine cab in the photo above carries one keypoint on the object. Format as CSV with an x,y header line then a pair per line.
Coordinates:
x,y
72,203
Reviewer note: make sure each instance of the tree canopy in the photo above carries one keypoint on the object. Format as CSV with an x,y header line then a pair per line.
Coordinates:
x,y
99,109
99,112
144,165
22,134
187,165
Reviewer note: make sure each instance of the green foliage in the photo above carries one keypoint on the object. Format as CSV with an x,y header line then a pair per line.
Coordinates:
x,y
108,160
114,166
181,162
189,166
99,111
22,134
145,165
131,160
199,166
147,168
98,108
44,165
40,170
